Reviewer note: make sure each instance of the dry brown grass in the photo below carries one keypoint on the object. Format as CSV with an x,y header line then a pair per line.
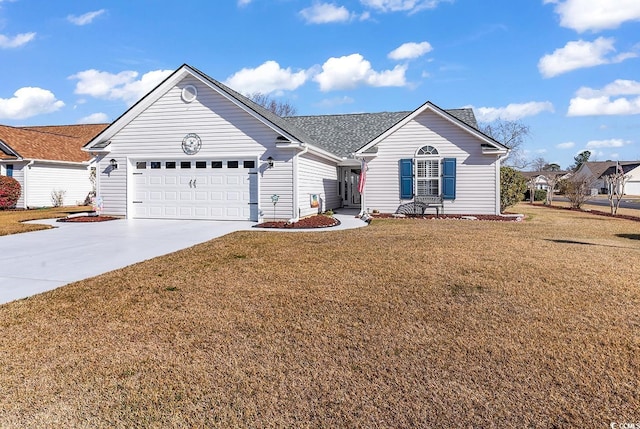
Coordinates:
x,y
406,323
10,220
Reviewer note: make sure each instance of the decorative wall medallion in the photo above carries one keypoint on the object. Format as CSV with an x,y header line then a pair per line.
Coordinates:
x,y
191,144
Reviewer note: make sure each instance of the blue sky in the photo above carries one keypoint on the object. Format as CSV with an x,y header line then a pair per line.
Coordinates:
x,y
570,69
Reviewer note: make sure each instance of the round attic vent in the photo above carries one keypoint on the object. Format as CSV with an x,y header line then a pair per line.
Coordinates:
x,y
189,93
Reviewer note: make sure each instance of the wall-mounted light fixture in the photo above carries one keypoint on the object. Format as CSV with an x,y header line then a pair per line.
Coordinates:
x,y
270,162
114,164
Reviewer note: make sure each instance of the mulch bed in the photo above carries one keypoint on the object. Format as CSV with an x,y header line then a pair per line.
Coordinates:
x,y
595,212
84,219
450,216
319,221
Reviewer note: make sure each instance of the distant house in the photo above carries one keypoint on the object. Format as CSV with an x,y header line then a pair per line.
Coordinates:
x,y
195,149
541,178
48,159
595,172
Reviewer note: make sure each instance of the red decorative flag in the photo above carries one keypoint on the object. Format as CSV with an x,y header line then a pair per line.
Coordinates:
x,y
363,176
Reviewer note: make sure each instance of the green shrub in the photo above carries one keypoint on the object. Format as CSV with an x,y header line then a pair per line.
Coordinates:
x,y
538,195
512,187
9,192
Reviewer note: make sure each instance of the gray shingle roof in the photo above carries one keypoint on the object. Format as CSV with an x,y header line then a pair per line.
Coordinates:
x,y
345,134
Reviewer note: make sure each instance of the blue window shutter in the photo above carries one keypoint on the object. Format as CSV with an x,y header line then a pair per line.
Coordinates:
x,y
449,179
406,179
9,170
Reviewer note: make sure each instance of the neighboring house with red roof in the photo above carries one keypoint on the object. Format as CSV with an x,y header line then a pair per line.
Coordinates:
x,y
193,148
595,172
47,159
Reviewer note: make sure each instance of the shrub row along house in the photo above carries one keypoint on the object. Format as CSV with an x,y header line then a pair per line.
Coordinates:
x,y
195,149
48,160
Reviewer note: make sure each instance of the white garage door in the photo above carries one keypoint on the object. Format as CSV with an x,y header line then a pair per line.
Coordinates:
x,y
632,188
201,189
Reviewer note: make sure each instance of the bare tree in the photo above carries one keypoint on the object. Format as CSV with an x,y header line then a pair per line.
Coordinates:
x,y
539,164
511,134
578,191
280,108
553,178
531,185
615,186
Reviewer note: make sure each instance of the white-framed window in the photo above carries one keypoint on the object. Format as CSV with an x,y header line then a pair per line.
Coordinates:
x,y
427,176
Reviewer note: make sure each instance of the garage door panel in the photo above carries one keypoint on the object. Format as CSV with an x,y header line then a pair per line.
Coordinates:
x,y
195,193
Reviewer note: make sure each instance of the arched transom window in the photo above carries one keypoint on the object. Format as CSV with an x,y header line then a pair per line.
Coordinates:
x,y
427,150
427,172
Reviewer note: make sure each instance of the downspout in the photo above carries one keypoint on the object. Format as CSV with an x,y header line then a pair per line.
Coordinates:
x,y
25,179
498,163
296,199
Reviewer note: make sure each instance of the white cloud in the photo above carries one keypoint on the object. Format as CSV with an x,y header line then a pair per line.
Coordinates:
x,y
242,3
16,41
86,18
94,118
513,111
336,101
596,144
609,100
122,86
324,13
351,71
581,54
595,15
410,50
410,6
566,145
267,78
27,102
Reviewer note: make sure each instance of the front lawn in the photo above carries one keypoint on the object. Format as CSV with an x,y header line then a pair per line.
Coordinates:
x,y
10,220
405,323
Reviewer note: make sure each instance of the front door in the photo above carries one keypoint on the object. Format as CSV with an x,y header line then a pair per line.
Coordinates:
x,y
349,189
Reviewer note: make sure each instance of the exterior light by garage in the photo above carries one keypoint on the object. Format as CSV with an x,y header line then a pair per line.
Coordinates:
x,y
270,162
113,163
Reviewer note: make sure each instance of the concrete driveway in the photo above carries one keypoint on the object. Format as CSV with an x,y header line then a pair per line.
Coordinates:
x,y
39,261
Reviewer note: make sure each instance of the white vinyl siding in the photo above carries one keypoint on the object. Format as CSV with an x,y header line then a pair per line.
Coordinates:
x,y
476,173
43,179
320,177
225,130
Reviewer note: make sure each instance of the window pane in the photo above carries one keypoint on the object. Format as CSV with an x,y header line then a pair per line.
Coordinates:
x,y
201,164
170,164
141,165
249,164
232,164
155,164
185,164
216,164
9,170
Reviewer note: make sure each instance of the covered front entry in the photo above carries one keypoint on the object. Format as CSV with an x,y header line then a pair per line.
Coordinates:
x,y
348,186
210,189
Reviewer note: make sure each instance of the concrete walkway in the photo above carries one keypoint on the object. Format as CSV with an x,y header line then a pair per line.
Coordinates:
x,y
35,262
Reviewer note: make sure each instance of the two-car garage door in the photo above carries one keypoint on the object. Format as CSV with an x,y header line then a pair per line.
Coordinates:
x,y
196,189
